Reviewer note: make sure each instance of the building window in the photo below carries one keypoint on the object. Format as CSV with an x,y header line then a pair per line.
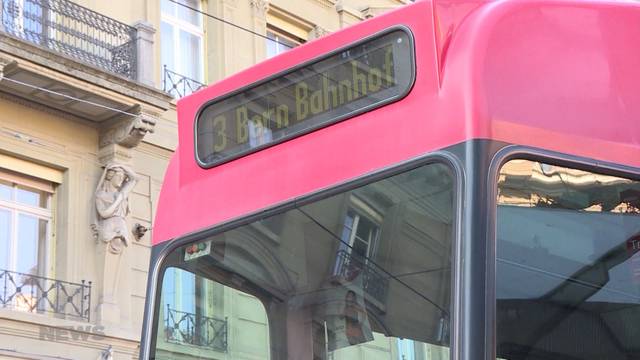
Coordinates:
x,y
24,18
25,223
359,236
280,41
182,34
360,233
360,230
189,319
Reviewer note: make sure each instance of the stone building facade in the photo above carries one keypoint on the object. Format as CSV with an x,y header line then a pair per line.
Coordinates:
x,y
87,126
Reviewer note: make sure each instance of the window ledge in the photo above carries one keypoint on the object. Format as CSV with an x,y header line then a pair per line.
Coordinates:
x,y
45,320
24,52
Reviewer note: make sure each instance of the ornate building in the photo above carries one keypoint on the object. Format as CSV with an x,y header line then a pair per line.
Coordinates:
x,y
87,126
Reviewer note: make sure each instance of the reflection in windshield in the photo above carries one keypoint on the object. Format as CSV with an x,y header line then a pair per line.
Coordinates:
x,y
568,272
362,274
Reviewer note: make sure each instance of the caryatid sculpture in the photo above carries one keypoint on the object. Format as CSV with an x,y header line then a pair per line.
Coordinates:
x,y
112,206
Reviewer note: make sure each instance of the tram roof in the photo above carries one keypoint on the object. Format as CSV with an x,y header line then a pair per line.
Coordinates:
x,y
558,75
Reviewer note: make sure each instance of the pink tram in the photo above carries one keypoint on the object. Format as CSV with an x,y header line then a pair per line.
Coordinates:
x,y
451,180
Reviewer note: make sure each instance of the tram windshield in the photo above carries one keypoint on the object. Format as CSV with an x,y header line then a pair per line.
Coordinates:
x,y
568,266
362,274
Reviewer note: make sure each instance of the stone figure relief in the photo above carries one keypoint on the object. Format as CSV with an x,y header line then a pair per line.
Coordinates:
x,y
112,206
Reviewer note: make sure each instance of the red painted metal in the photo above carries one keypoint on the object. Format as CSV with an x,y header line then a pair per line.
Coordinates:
x,y
558,75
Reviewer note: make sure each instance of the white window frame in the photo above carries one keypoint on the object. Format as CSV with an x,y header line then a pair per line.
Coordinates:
x,y
178,24
361,209
16,209
280,34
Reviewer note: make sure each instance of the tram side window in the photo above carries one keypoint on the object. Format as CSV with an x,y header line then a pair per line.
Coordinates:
x,y
568,267
365,274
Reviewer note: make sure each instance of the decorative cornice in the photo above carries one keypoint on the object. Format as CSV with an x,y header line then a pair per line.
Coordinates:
x,y
128,131
327,3
344,9
6,64
318,32
259,7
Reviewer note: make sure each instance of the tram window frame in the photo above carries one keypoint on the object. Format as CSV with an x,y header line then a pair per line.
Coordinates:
x,y
448,161
542,157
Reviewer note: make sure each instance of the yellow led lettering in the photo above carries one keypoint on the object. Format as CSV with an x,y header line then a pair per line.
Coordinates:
x,y
326,91
242,129
279,109
374,79
258,125
315,102
388,67
345,91
267,117
220,123
359,81
282,116
302,105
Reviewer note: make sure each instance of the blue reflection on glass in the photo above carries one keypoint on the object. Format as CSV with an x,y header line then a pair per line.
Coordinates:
x,y
27,259
5,192
5,238
27,197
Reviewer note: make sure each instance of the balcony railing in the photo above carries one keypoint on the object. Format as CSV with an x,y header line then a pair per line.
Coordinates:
x,y
36,294
374,283
179,85
188,328
73,30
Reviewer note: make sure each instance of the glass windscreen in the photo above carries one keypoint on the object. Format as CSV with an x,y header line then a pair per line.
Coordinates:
x,y
568,268
365,274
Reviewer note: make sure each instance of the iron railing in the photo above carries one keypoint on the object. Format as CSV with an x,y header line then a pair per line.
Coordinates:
x,y
349,267
179,85
192,329
73,30
38,294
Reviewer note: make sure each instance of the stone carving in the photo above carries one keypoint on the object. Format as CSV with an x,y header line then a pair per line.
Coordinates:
x,y
129,133
318,32
112,206
6,66
260,7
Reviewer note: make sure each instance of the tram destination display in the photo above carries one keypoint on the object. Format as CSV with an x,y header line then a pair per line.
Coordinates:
x,y
343,84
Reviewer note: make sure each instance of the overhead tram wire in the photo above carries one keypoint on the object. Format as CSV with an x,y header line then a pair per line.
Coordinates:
x,y
390,275
229,23
67,96
395,277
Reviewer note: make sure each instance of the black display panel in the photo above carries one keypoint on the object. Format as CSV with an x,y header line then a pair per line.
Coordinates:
x,y
345,83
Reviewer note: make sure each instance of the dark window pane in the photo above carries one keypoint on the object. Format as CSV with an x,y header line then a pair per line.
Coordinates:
x,y
326,298
568,271
365,76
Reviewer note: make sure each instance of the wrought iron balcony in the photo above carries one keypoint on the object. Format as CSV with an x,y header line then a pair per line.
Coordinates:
x,y
374,283
36,294
73,30
179,85
192,329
